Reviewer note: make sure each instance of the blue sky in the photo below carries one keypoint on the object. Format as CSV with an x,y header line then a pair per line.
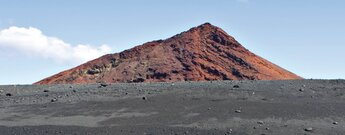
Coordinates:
x,y
39,38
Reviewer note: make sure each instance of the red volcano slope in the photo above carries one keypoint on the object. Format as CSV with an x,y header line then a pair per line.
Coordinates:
x,y
202,53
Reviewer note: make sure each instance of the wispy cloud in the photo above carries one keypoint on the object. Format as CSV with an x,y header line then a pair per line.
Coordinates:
x,y
32,42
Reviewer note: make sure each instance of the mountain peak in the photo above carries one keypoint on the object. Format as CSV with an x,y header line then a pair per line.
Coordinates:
x,y
205,52
205,27
207,24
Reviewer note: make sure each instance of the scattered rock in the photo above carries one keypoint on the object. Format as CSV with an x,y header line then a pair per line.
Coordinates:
x,y
93,71
104,85
138,80
53,100
236,86
45,90
9,94
229,131
309,129
238,111
260,122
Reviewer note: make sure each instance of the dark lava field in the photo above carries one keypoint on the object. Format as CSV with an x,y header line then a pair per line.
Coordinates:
x,y
298,107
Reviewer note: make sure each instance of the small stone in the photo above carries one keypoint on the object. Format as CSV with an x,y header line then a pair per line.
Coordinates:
x,y
45,90
1,91
260,122
236,86
74,90
144,98
238,111
208,108
104,85
71,87
9,94
301,89
53,100
309,129
254,127
267,128
126,93
229,131
335,123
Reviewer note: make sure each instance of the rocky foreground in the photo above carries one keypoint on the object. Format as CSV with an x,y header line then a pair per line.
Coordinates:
x,y
220,107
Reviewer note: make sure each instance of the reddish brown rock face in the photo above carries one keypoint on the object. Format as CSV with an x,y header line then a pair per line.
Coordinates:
x,y
203,53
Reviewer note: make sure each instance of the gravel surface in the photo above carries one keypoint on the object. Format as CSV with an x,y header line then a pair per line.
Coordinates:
x,y
299,107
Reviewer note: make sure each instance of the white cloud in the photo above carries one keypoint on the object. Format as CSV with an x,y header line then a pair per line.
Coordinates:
x,y
32,42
